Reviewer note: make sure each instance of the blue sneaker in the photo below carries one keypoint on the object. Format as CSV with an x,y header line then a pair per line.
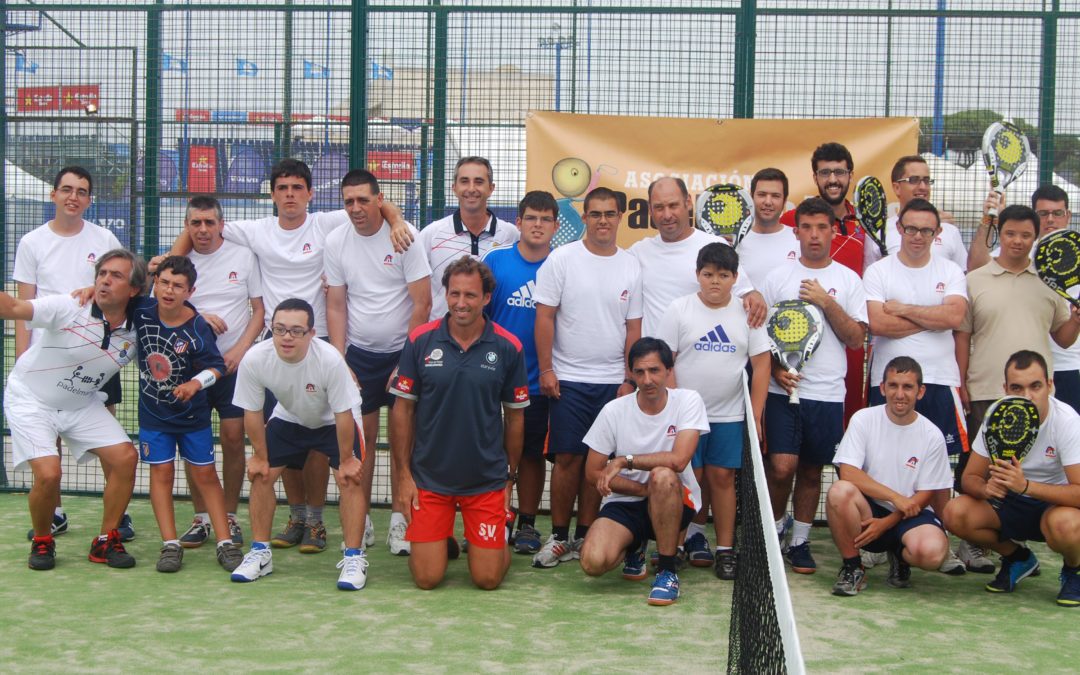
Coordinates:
x,y
800,559
665,589
1070,587
1011,573
634,565
59,526
126,529
785,533
698,552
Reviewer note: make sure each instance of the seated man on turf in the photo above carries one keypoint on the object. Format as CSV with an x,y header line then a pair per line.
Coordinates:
x,y
1041,496
640,448
317,410
890,461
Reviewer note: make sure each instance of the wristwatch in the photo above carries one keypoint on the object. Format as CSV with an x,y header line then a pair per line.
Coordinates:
x,y
629,462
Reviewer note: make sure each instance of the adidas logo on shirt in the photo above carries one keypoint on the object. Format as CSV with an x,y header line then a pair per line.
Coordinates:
x,y
715,340
523,297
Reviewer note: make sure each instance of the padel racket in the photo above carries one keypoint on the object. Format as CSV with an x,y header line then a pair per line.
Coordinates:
x,y
725,210
1005,152
1057,262
571,226
1010,430
871,208
794,330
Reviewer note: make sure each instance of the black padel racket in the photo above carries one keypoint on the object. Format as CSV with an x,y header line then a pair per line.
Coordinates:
x,y
1057,262
1009,430
871,208
725,210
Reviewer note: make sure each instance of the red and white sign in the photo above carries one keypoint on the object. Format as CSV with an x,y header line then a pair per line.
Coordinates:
x,y
392,165
77,97
37,99
188,115
202,168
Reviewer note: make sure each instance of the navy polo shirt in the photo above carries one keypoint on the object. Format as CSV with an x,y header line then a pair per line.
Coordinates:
x,y
458,447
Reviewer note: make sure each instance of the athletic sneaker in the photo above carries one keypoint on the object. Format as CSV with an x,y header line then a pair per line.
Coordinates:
x,y
849,581
680,559
43,556
633,567
871,560
899,572
292,535
953,565
725,565
126,529
785,533
554,552
800,559
527,540
229,556
353,572
257,563
59,526
314,539
172,556
369,533
235,533
1070,587
196,535
665,588
1011,573
698,552
110,551
395,539
975,558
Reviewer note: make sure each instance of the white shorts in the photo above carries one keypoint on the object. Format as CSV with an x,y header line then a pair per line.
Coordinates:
x,y
34,427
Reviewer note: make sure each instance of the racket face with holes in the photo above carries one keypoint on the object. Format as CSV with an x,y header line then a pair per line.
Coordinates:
x,y
571,226
1005,152
871,208
725,210
794,331
1011,427
1057,262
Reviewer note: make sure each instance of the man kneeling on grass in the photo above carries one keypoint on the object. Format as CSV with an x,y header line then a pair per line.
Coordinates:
x,y
890,461
639,458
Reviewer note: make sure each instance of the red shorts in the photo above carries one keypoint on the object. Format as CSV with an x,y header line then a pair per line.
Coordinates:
x,y
484,516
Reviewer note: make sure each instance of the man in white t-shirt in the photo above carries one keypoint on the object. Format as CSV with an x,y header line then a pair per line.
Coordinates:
x,y
317,410
801,439
229,297
891,462
588,313
769,244
472,229
1040,497
639,460
376,297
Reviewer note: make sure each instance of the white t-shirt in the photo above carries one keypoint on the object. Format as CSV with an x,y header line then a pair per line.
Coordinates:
x,y
761,254
669,271
929,285
712,346
1056,447
595,296
949,244
308,392
225,281
377,285
446,240
622,428
906,458
823,374
290,261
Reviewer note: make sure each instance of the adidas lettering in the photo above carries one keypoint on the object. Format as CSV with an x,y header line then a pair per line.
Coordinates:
x,y
522,297
714,347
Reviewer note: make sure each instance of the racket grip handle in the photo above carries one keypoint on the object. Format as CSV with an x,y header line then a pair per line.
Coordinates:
x,y
793,398
993,212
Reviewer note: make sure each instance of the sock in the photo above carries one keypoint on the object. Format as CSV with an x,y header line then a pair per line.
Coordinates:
x,y
47,538
693,529
723,548
353,551
103,537
560,532
396,518
297,512
170,541
367,523
780,524
853,563
314,515
580,531
666,562
230,515
259,545
800,532
203,517
58,511
526,519
223,542
1021,554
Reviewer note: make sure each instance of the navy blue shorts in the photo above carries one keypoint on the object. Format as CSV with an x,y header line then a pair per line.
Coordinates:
x,y
634,516
372,371
811,430
288,443
113,393
892,539
536,426
219,397
1067,387
1021,518
573,414
941,405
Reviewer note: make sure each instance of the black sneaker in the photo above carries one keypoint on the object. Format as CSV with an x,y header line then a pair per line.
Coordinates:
x,y
292,535
725,565
43,554
59,526
899,572
111,551
314,539
171,559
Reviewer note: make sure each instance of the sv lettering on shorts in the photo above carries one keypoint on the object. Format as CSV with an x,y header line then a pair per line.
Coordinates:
x,y
487,531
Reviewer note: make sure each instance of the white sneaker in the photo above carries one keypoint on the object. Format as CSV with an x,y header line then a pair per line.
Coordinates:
x,y
575,547
369,533
871,559
975,558
395,538
353,572
554,552
257,563
953,565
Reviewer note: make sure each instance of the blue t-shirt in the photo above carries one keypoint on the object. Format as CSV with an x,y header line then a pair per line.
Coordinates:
x,y
512,305
168,357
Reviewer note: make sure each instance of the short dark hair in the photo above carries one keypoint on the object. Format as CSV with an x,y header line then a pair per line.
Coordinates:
x,y
769,174
289,304
1018,212
76,170
360,177
678,181
721,256
903,364
468,265
290,168
831,152
1023,359
204,203
1050,193
922,206
538,200
179,265
605,193
648,345
137,278
475,159
901,165
813,206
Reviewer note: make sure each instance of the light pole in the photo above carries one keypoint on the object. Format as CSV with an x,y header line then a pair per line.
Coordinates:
x,y
558,42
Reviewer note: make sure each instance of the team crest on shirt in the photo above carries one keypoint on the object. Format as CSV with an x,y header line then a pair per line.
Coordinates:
x,y
1051,452
180,346
940,288
624,296
791,255
233,277
491,357
434,358
306,248
404,384
913,462
92,259
938,242
832,292
672,431
310,388
521,394
388,260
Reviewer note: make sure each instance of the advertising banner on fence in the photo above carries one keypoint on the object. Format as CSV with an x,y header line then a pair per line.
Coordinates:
x,y
568,155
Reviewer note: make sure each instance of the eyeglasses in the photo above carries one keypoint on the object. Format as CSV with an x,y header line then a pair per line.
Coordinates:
x,y
81,193
294,332
911,230
839,173
1057,213
915,180
605,215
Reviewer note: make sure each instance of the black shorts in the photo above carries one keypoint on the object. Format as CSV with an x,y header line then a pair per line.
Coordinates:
x,y
219,397
113,392
372,371
536,427
634,516
892,539
288,444
1021,518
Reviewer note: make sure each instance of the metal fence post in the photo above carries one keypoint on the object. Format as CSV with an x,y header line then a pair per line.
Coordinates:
x,y
745,46
438,114
1047,94
358,104
151,200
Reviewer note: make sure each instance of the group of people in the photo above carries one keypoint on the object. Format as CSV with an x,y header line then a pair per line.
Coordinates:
x,y
498,355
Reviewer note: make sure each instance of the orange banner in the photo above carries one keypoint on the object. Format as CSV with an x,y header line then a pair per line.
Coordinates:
x,y
568,155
